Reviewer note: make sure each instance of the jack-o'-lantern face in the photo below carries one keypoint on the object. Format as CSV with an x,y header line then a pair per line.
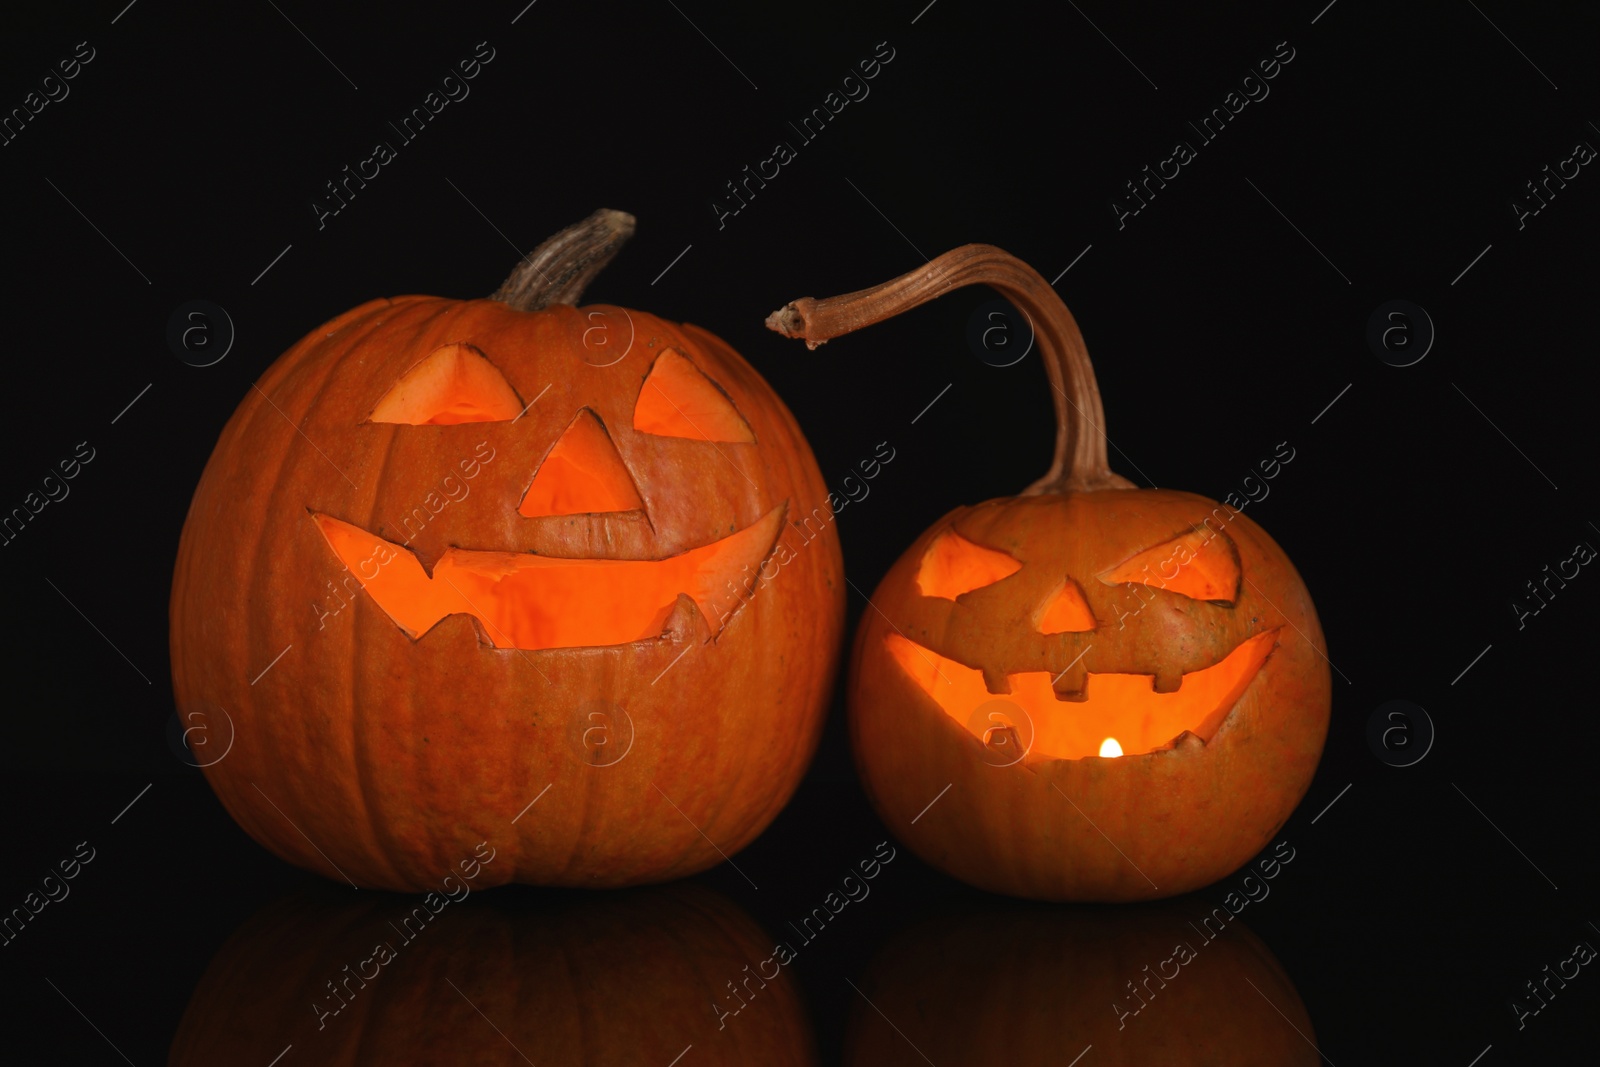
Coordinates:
x,y
450,558
1125,691
529,600
1076,672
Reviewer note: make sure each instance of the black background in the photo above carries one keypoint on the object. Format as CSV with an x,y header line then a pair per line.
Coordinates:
x,y
1395,141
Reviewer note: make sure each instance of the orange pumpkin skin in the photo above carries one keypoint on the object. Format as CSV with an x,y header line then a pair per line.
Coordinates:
x,y
372,756
1036,987
616,980
1044,828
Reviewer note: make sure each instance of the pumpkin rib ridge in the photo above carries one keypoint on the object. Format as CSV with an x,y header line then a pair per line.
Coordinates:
x,y
287,468
690,348
755,815
586,812
364,776
358,714
408,773
796,455
286,471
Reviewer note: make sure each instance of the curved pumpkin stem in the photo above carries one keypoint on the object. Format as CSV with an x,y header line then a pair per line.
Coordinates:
x,y
1080,454
560,269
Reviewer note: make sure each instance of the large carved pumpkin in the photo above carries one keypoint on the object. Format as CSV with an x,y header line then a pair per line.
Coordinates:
x,y
486,570
622,979
1088,691
1173,985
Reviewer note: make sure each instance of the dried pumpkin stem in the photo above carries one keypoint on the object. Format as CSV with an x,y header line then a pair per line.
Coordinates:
x,y
1080,454
560,269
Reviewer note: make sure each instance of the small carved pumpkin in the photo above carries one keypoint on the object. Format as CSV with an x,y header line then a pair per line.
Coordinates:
x,y
452,558
1123,692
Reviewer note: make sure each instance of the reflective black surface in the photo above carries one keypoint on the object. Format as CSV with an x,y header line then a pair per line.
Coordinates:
x,y
1233,311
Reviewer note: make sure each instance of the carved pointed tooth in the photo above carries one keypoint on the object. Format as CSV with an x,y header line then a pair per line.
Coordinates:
x,y
996,681
1072,683
686,621
1168,681
1003,739
1188,741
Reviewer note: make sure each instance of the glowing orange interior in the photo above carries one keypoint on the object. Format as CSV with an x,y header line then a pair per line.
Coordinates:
x,y
1199,564
1124,707
533,602
1066,612
582,474
454,384
952,565
679,401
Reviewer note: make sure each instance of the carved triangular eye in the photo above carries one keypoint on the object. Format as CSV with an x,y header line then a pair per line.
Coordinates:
x,y
582,474
952,565
1066,612
679,401
454,384
1202,564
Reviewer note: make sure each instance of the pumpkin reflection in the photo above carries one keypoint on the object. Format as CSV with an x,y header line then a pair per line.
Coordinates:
x,y
1032,985
624,978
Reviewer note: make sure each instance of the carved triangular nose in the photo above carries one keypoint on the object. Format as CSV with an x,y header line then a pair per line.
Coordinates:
x,y
581,474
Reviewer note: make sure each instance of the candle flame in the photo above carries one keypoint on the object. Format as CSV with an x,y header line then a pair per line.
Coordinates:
x,y
1109,748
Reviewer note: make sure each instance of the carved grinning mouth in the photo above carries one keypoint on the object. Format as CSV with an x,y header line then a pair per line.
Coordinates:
x,y
534,602
1123,707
